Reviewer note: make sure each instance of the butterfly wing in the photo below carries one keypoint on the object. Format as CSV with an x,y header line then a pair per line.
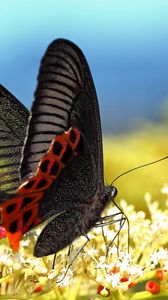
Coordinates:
x,y
13,123
20,211
65,97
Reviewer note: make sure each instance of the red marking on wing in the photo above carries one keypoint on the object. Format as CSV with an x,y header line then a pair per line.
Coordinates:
x,y
73,138
59,140
14,239
36,184
20,213
46,166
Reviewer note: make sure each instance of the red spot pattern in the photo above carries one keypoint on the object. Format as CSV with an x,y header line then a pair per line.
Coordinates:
x,y
20,213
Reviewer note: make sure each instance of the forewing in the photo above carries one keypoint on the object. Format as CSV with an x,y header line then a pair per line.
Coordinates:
x,y
65,97
13,123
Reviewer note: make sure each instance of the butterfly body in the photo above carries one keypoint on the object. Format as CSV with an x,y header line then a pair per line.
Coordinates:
x,y
70,187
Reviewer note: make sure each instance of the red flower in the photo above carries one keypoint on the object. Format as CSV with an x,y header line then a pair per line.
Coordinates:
x,y
124,279
100,288
38,288
152,286
132,284
2,233
159,274
114,270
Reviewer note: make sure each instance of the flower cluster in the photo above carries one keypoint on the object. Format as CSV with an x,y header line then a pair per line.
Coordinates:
x,y
136,257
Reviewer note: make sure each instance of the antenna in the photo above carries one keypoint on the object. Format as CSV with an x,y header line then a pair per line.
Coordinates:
x,y
139,167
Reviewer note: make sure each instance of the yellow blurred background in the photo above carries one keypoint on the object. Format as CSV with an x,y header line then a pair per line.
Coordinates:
x,y
125,151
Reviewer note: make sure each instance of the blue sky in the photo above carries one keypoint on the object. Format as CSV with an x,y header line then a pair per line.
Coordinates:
x,y
124,41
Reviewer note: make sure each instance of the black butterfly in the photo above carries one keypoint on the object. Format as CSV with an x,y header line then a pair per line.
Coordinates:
x,y
65,97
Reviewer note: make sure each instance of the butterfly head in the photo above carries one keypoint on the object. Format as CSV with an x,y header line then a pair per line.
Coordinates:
x,y
111,192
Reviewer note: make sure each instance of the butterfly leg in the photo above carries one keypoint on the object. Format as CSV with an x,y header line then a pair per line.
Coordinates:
x,y
108,220
69,249
74,259
55,255
54,260
122,222
104,238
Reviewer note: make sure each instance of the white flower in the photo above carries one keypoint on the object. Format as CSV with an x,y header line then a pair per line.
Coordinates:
x,y
161,254
99,279
65,282
147,197
113,250
155,258
114,279
40,269
166,265
9,262
16,266
65,278
135,270
164,190
4,258
92,251
25,243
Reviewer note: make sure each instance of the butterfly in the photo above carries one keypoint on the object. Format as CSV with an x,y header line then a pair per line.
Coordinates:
x,y
52,158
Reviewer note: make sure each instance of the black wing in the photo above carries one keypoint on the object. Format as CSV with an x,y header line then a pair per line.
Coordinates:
x,y
65,97
13,123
